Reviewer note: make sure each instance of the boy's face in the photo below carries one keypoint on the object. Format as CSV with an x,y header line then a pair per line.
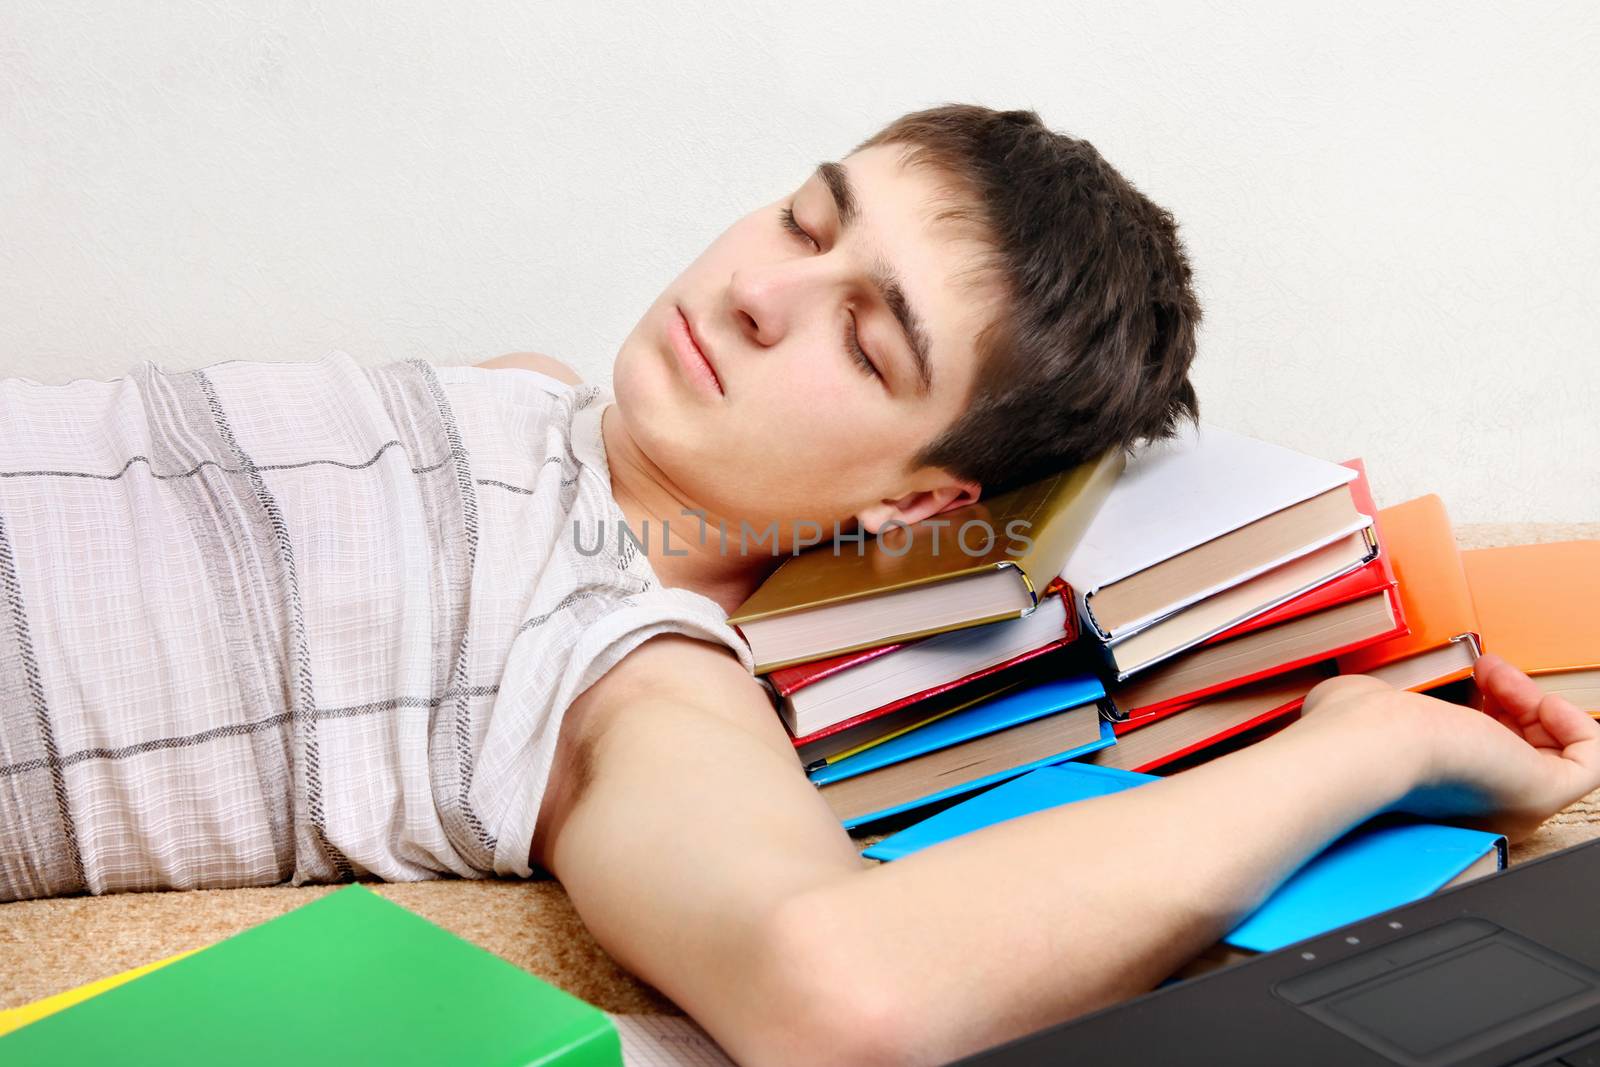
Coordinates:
x,y
793,425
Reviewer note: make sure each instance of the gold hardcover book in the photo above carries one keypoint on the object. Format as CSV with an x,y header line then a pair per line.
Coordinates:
x,y
985,562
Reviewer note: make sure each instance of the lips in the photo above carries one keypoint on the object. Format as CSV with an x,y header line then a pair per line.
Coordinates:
x,y
690,355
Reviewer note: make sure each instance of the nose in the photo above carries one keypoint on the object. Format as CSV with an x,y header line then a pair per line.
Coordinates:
x,y
768,299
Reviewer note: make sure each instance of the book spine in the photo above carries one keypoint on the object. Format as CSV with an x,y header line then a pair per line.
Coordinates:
x,y
1053,542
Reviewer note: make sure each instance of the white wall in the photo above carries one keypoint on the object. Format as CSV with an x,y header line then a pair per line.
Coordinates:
x,y
1393,212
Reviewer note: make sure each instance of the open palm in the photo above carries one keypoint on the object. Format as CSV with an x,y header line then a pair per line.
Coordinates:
x,y
1544,755
1544,720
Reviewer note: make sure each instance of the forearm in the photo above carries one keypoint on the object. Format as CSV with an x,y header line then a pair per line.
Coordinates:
x,y
700,855
1047,916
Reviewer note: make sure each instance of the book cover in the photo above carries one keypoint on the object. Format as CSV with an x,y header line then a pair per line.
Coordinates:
x,y
352,977
1179,493
1377,574
1380,865
1434,597
647,1040
16,1018
1051,514
1375,867
1539,607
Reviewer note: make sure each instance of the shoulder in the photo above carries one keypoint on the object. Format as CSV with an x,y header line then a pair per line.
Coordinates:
x,y
534,361
682,669
672,694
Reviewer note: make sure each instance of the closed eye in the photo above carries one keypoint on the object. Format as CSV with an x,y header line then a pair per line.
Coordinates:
x,y
852,342
852,338
789,223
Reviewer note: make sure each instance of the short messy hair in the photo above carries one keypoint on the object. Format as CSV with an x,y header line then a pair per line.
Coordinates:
x,y
1092,345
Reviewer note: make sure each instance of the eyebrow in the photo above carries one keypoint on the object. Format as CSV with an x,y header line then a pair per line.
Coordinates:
x,y
837,181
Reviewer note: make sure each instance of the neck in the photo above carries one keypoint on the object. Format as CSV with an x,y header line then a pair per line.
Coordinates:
x,y
678,536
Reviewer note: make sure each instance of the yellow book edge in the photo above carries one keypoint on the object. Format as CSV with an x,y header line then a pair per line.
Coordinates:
x,y
16,1018
876,741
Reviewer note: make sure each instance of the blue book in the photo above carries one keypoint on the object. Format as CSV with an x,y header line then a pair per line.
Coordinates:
x,y
1368,871
1003,712
1377,866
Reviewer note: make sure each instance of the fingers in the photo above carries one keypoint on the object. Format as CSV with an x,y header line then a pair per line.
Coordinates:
x,y
1484,698
1507,688
1570,727
1543,717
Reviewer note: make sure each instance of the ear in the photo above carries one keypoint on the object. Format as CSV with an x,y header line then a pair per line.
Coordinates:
x,y
919,504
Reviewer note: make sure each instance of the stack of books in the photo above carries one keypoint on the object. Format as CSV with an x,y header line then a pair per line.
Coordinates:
x,y
935,659
1231,609
1532,604
1169,608
1212,574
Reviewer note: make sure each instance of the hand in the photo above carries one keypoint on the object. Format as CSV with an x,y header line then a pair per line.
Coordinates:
x,y
1506,769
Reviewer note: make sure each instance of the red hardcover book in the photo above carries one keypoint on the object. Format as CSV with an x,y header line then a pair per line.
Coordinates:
x,y
1069,632
1138,706
1375,575
788,680
1211,721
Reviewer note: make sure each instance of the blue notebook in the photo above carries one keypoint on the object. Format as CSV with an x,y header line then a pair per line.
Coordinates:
x,y
1371,869
1003,712
1366,872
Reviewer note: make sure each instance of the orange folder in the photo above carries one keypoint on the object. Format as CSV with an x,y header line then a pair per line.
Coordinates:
x,y
1444,640
1539,607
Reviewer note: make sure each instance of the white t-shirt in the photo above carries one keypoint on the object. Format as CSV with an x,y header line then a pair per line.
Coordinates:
x,y
306,621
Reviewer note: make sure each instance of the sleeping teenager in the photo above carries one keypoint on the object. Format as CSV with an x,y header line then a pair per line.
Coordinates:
x,y
306,622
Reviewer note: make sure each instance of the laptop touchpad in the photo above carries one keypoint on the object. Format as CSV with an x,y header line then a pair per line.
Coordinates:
x,y
1453,991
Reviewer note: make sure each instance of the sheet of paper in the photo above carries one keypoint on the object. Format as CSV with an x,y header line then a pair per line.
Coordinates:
x,y
667,1041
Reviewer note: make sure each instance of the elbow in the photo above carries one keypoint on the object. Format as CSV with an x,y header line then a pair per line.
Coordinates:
x,y
826,999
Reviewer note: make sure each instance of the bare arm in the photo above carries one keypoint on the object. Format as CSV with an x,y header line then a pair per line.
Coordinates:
x,y
702,858
534,361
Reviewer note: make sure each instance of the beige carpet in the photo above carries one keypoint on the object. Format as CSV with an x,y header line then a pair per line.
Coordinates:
x,y
50,945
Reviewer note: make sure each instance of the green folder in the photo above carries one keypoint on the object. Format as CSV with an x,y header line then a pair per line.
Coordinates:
x,y
347,978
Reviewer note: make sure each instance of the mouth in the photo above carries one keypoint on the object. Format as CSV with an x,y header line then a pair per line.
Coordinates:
x,y
690,355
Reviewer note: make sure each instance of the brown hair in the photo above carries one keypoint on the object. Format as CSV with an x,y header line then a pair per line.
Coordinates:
x,y
1092,347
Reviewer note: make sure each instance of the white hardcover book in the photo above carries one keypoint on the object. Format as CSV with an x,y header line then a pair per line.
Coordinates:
x,y
1180,493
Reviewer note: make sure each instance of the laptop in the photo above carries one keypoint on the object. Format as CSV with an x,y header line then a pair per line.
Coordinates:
x,y
1501,971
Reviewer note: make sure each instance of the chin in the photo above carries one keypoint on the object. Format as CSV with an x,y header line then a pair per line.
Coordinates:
x,y
625,374
669,436
641,385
